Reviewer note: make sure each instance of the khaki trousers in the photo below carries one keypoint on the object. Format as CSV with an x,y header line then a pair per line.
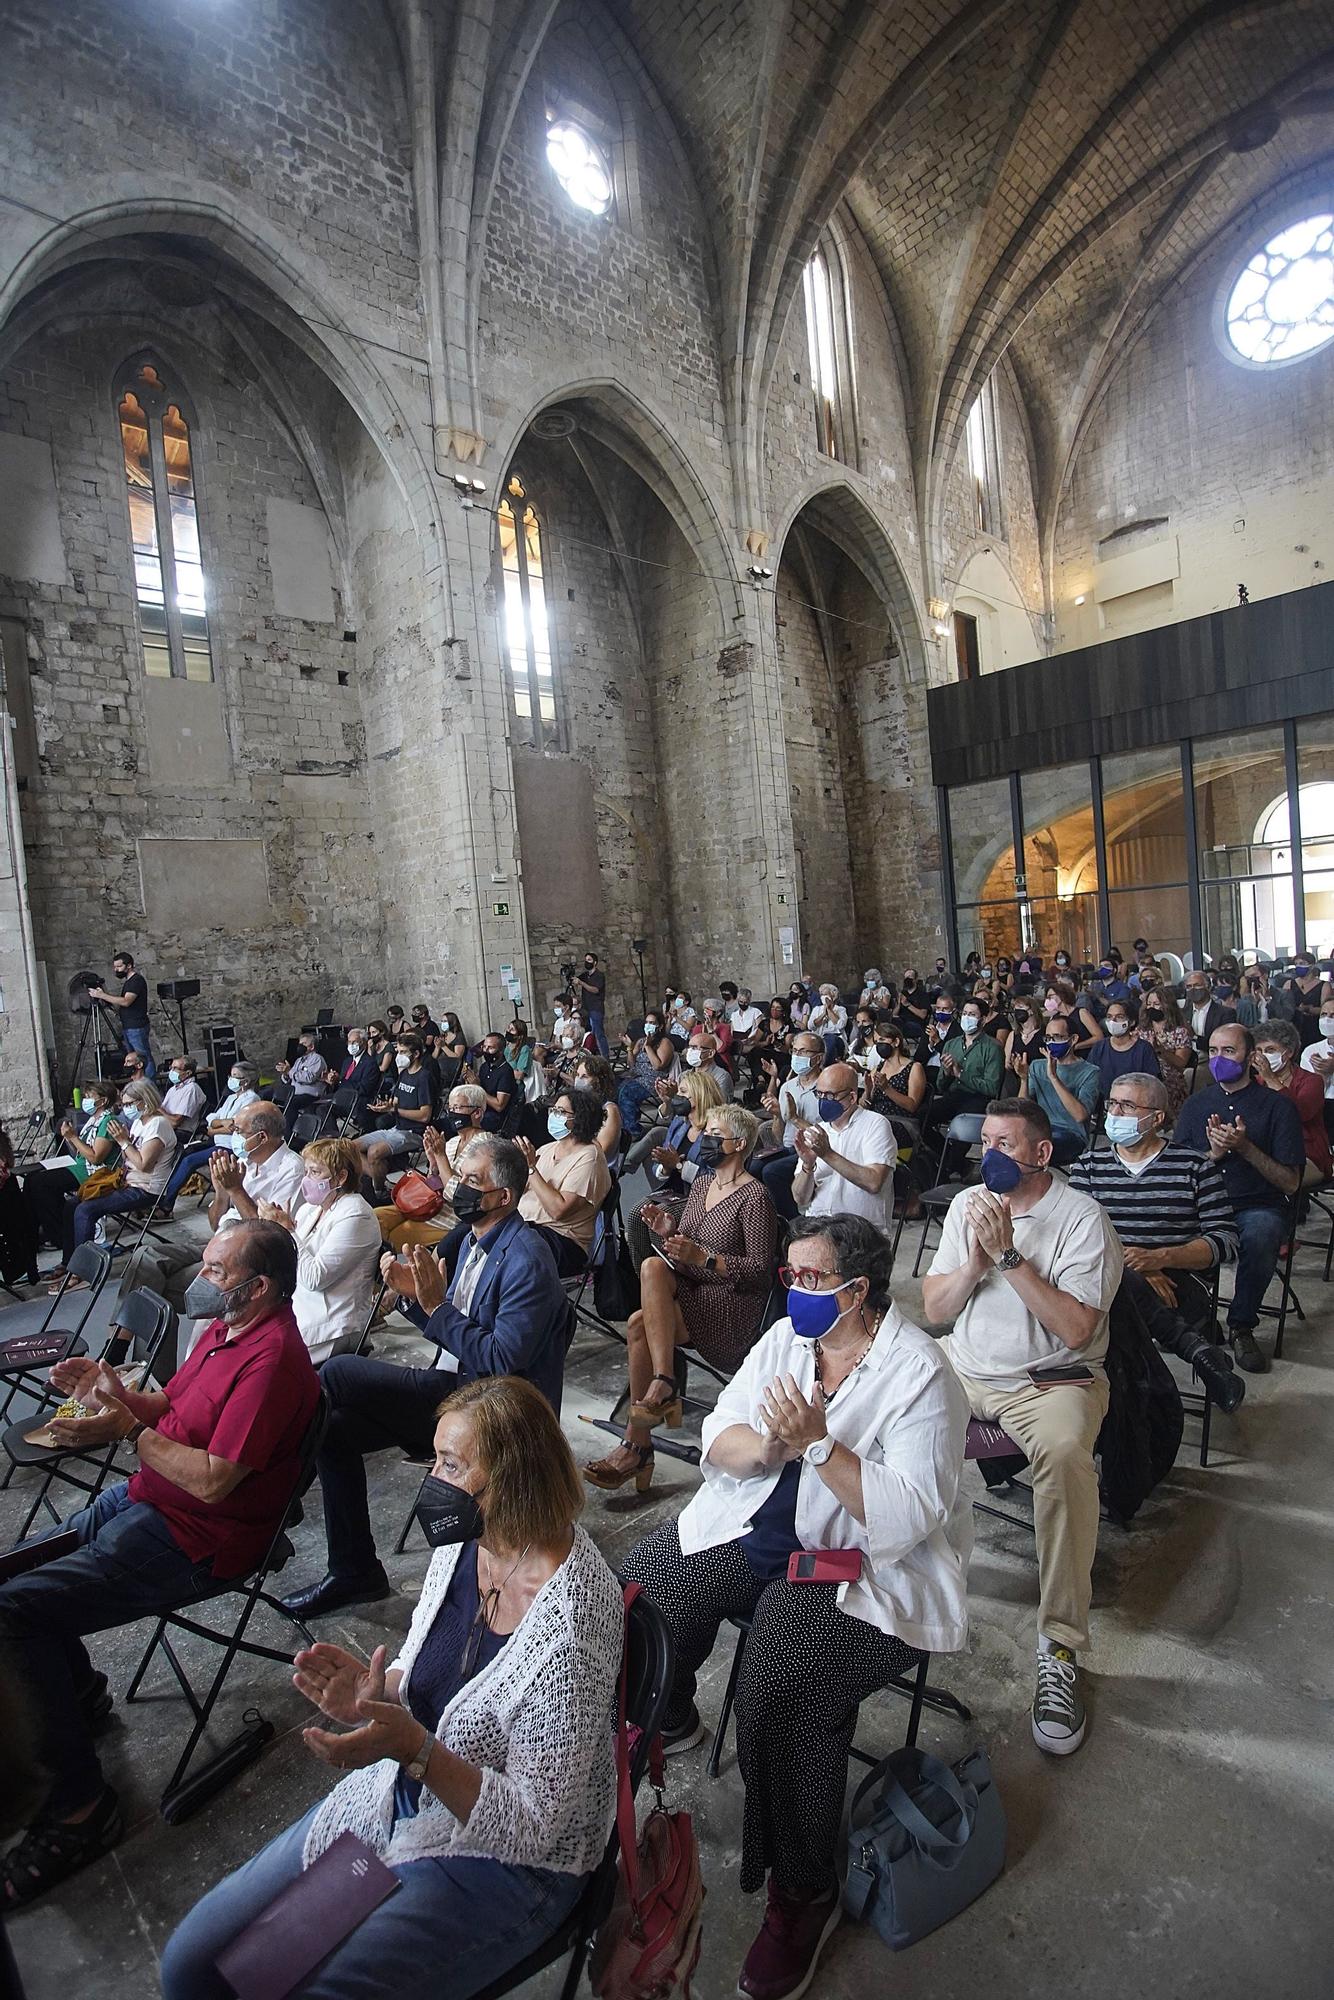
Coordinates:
x,y
1056,1429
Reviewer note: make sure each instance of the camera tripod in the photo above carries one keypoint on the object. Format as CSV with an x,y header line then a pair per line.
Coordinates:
x,y
107,1042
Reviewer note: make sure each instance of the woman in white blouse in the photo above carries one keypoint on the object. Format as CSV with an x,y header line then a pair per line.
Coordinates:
x,y
843,1429
338,1246
481,1766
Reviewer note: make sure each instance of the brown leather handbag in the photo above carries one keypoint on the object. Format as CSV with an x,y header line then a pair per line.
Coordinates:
x,y
415,1198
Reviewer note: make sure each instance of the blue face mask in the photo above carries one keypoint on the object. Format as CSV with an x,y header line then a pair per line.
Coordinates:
x,y
1122,1128
240,1145
558,1125
801,1064
813,1314
831,1108
1058,1050
1000,1173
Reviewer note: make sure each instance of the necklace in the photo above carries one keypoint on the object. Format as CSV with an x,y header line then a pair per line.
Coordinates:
x,y
491,1596
827,1395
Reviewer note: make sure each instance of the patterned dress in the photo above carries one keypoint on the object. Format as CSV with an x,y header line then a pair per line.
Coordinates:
x,y
722,1310
1177,1080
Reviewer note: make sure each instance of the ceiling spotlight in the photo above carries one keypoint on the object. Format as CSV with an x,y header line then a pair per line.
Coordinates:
x,y
1080,598
758,573
479,486
462,482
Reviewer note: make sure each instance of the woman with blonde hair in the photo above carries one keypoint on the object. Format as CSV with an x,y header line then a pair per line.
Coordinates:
x,y
479,1764
338,1246
147,1142
705,1288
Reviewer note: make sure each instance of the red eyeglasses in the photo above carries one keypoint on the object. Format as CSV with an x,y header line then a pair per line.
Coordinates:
x,y
806,1280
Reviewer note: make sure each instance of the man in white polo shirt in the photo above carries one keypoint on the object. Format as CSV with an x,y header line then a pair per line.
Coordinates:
x,y
845,1164
1027,1270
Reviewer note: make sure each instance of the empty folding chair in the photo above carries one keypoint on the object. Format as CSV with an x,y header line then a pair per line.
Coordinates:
x,y
37,1334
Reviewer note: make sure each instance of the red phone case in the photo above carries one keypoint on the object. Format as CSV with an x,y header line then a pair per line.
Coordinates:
x,y
829,1565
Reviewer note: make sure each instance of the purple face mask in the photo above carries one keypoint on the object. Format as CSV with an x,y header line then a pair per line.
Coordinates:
x,y
1225,1069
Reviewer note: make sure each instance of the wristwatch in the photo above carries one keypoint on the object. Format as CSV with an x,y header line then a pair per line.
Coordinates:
x,y
133,1435
820,1452
417,1768
1009,1260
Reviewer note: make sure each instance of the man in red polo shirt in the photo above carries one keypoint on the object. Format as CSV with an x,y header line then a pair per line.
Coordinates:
x,y
219,1451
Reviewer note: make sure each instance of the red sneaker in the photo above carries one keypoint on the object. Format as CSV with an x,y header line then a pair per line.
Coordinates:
x,y
781,1963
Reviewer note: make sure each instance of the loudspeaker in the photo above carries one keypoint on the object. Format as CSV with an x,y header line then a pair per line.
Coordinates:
x,y
223,1049
178,989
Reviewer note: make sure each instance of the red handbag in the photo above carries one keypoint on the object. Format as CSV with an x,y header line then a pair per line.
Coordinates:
x,y
648,1947
415,1198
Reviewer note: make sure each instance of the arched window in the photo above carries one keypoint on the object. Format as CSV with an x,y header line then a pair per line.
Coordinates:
x,y
1281,306
164,524
829,349
527,638
984,460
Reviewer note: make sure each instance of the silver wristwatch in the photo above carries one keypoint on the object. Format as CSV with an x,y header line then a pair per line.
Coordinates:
x,y
1009,1260
417,1768
820,1452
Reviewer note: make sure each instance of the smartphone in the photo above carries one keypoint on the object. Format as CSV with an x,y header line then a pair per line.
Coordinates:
x,y
824,1566
1074,1371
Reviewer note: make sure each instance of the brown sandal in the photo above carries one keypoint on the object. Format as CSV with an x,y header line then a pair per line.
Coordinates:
x,y
609,1478
668,1412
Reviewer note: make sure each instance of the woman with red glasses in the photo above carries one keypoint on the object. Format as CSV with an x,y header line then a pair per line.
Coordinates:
x,y
842,1430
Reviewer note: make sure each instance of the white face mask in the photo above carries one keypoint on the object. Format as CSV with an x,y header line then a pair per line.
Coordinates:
x,y
1275,1057
235,1081
1118,1028
694,1057
1327,1026
354,1048
402,1062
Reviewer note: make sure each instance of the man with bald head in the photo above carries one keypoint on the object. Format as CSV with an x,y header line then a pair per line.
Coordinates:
x,y
845,1163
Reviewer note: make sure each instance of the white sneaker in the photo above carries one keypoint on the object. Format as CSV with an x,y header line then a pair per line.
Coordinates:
x,y
1058,1706
100,1234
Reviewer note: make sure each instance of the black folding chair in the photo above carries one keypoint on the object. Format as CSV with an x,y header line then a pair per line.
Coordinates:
x,y
342,1108
90,1262
143,1322
178,1798
306,1129
965,1129
608,1230
1321,1198
914,1688
1288,1299
650,1659
1198,1402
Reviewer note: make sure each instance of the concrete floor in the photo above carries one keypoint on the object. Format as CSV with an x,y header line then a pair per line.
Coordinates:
x,y
1187,1851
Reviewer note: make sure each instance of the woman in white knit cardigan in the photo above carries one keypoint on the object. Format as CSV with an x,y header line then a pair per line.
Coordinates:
x,y
481,1765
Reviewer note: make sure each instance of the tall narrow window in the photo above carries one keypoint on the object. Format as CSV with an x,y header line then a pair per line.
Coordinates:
x,y
822,347
984,461
164,525
527,638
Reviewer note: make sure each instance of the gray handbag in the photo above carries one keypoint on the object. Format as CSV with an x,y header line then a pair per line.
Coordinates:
x,y
924,1840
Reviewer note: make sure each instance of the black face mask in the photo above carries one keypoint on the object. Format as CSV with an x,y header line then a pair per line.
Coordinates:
x,y
446,1514
708,1150
455,1122
886,1051
467,1201
679,1107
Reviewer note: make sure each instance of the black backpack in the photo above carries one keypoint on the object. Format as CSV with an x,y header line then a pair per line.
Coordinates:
x,y
1141,1433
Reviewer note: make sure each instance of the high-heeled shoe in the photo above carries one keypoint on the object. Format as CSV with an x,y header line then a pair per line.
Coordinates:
x,y
669,1413
609,1478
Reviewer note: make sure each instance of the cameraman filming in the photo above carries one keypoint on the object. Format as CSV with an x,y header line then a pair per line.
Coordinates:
x,y
591,994
132,1000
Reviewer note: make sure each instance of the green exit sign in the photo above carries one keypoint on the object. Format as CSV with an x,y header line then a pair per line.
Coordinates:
x,y
782,898
501,909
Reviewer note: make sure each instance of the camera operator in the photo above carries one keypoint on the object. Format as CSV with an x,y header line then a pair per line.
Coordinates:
x,y
591,994
132,1000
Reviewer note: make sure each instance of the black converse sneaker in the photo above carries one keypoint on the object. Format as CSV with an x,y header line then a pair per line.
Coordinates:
x,y
1058,1707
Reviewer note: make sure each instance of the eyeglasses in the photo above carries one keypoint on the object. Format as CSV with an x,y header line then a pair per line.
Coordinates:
x,y
806,1279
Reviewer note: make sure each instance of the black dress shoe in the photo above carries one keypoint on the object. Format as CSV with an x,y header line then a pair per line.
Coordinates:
x,y
1213,1365
333,1592
1249,1356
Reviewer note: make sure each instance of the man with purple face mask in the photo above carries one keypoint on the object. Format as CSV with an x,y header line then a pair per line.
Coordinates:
x,y
1255,1135
1027,1270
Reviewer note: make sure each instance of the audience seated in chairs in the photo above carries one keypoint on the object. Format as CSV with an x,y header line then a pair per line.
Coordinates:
x,y
1065,1087
403,1110
1026,1270
1256,1137
843,1429
496,1079
262,1168
479,1765
219,1128
1121,1052
218,1453
504,1312
701,1054
568,1179
1162,1026
1173,1215
1201,1010
147,1147
183,1101
462,1123
305,1078
970,1070
48,1186
789,1106
707,1290
845,1163
1278,1067
672,1153
651,1059
338,1247
360,1072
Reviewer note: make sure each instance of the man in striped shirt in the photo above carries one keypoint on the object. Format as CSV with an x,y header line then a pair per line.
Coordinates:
x,y
1172,1211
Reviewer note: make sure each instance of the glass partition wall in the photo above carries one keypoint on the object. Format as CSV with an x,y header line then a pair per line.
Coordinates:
x,y
1225,843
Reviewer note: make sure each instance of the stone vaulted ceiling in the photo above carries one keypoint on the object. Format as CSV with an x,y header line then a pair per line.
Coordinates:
x,y
1029,178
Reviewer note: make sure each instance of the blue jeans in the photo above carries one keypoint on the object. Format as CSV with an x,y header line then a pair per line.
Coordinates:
x,y
1261,1231
631,1098
598,1031
84,1216
452,1926
137,1039
128,1567
189,1163
777,1174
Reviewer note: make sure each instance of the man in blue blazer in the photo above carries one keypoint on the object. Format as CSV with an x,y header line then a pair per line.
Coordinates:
x,y
504,1312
